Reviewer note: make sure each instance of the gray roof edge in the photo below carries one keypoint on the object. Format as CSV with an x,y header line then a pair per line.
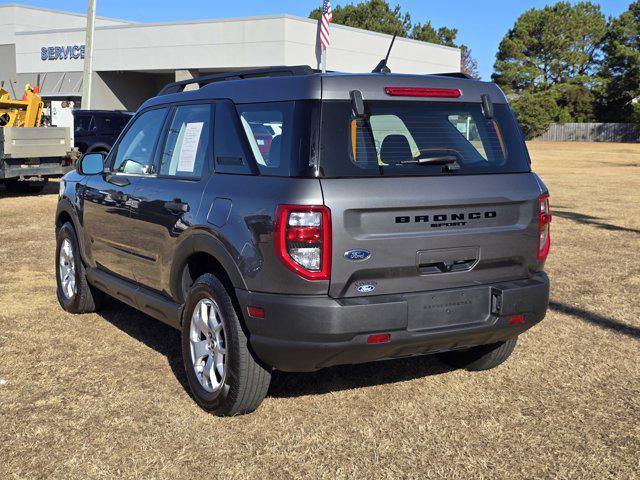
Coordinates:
x,y
64,12
240,19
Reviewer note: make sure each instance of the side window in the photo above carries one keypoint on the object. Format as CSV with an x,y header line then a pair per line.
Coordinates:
x,y
230,153
186,148
81,123
134,153
269,130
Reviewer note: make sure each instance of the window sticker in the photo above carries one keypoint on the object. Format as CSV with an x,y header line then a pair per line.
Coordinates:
x,y
189,147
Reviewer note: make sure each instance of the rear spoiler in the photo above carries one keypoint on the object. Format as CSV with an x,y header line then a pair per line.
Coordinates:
x,y
455,75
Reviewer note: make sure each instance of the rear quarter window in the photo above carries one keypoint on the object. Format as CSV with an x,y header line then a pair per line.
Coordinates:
x,y
280,136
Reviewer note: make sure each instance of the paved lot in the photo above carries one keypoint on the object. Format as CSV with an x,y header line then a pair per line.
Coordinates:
x,y
103,395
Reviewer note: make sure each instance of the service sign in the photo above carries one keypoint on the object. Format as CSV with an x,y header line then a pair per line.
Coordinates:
x,y
68,52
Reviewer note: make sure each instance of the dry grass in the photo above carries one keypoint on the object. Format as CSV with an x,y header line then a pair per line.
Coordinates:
x,y
103,396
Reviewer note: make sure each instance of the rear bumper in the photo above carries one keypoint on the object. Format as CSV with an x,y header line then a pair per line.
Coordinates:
x,y
306,333
44,169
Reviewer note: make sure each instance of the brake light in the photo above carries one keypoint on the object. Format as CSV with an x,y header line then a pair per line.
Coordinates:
x,y
302,237
544,221
423,92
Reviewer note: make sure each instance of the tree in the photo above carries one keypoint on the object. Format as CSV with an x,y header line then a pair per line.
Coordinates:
x,y
549,46
468,64
373,15
621,69
536,111
378,16
550,60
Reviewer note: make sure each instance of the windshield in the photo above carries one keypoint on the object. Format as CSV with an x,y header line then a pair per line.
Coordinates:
x,y
419,138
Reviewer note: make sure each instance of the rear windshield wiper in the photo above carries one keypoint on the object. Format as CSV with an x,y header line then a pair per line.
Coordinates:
x,y
425,160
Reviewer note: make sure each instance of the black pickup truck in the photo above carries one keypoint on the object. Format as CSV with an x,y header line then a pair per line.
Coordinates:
x,y
97,130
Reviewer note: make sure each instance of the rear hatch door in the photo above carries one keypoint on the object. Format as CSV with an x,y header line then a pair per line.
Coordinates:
x,y
400,235
426,196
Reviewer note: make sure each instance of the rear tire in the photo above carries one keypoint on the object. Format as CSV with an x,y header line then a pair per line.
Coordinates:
x,y
480,358
225,377
75,295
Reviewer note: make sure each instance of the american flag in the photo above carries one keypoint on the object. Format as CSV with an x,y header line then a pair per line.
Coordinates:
x,y
327,17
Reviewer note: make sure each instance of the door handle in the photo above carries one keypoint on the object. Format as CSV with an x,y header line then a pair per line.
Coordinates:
x,y
119,181
447,266
176,206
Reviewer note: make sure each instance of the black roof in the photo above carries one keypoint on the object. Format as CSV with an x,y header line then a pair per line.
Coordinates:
x,y
92,112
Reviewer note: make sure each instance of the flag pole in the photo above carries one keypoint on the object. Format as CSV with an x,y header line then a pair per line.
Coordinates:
x,y
323,60
88,57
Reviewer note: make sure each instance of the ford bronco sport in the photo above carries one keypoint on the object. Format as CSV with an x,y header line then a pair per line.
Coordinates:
x,y
286,219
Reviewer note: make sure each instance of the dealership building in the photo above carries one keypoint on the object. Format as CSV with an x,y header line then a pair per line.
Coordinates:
x,y
132,61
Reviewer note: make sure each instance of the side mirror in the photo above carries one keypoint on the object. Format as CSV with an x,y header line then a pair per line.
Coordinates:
x,y
91,164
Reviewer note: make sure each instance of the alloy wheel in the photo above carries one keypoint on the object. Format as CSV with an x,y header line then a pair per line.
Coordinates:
x,y
67,269
208,345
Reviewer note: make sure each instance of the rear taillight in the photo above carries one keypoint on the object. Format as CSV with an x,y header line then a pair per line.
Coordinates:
x,y
423,92
544,221
302,239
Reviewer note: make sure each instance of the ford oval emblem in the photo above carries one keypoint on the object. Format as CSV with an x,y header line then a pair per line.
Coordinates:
x,y
357,255
365,288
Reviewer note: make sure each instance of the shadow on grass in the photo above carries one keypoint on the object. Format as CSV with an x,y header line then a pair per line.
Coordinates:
x,y
349,377
51,188
591,220
166,341
596,319
148,331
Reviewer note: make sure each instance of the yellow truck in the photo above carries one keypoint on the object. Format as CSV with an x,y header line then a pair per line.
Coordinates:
x,y
31,153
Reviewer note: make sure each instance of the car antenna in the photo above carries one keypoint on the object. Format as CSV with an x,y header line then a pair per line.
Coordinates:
x,y
382,66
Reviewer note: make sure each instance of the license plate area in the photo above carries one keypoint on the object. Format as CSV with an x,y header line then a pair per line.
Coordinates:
x,y
449,309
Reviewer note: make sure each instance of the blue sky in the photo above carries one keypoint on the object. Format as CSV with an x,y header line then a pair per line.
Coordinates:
x,y
481,24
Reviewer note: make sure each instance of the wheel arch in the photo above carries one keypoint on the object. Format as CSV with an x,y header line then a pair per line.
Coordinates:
x,y
200,254
65,212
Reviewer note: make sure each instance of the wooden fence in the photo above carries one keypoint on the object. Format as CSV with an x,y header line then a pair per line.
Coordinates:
x,y
592,132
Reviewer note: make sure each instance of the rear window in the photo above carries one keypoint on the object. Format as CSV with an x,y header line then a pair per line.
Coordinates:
x,y
419,138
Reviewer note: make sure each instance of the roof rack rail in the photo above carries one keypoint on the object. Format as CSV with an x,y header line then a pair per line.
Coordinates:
x,y
279,71
455,75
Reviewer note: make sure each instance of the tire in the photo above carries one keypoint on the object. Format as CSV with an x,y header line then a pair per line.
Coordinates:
x,y
81,297
480,358
17,186
243,382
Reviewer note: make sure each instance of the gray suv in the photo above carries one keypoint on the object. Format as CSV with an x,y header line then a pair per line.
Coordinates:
x,y
286,219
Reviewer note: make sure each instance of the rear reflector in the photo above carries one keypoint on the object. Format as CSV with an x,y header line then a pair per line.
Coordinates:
x,y
423,92
379,338
515,319
256,312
